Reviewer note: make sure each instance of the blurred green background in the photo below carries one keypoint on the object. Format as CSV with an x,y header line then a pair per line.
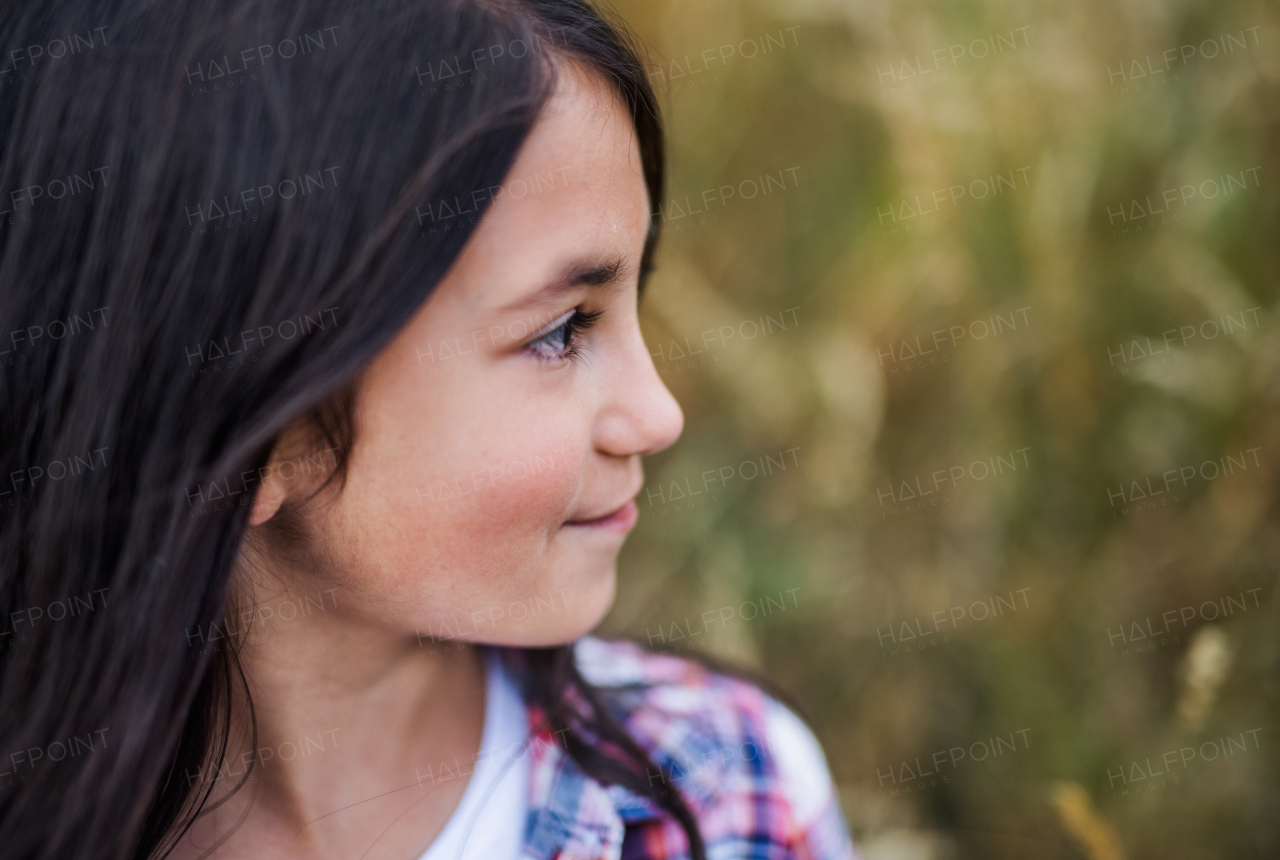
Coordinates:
x,y
799,328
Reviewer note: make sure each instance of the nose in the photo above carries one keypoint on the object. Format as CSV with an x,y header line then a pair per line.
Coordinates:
x,y
640,415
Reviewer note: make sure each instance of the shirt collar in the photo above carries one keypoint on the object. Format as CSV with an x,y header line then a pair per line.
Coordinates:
x,y
571,815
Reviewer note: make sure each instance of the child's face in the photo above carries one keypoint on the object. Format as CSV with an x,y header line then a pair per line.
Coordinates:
x,y
481,448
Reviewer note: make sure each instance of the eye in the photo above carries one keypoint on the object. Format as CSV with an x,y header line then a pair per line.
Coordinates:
x,y
560,342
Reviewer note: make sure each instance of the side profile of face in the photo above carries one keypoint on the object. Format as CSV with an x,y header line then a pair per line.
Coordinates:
x,y
499,436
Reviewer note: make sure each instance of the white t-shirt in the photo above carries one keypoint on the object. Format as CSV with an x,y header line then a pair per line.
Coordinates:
x,y
488,823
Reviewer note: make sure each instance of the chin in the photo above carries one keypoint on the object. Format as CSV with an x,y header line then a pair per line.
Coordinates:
x,y
585,607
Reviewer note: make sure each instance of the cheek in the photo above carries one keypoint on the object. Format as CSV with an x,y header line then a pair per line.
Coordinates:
x,y
450,532
505,502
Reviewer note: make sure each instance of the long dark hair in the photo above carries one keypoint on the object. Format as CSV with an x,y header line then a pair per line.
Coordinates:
x,y
182,180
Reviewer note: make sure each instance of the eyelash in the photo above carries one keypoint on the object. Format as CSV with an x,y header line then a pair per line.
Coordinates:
x,y
567,333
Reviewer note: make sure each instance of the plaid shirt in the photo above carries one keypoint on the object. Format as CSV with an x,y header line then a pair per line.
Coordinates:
x,y
752,775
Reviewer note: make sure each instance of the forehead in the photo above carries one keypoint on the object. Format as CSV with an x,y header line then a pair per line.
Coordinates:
x,y
575,192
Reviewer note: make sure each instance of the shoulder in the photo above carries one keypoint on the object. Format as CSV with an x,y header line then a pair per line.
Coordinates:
x,y
741,758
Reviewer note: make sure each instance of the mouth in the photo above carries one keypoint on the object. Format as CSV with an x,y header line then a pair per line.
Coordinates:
x,y
620,519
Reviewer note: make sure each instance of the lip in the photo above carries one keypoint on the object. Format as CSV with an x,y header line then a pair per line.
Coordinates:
x,y
620,519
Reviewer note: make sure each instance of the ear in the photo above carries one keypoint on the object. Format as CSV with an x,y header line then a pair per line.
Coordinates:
x,y
274,488
268,499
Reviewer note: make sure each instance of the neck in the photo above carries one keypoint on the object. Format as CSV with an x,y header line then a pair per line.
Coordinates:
x,y
353,723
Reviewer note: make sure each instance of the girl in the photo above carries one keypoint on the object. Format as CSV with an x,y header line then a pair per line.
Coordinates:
x,y
321,438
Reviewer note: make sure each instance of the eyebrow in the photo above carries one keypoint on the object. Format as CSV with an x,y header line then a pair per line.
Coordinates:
x,y
608,273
